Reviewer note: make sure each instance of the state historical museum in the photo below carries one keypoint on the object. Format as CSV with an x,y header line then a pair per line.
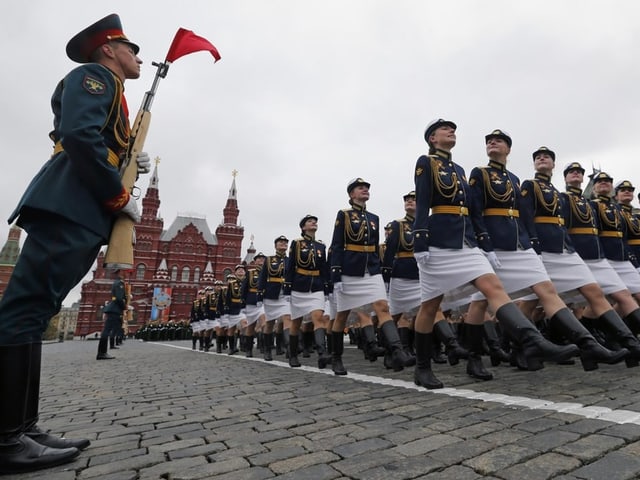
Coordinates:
x,y
170,266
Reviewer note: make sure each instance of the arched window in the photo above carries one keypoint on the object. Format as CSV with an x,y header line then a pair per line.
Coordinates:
x,y
185,274
196,274
140,272
174,273
226,272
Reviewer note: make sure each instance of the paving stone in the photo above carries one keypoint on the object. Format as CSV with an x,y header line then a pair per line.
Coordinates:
x,y
543,467
499,458
590,446
302,461
424,445
614,465
456,472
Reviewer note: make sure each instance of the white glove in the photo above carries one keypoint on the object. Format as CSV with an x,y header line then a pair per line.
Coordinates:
x,y
337,287
144,163
493,259
131,210
422,257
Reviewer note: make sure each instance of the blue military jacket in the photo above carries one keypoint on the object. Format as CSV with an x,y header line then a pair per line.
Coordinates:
x,y
250,292
195,305
543,199
581,223
496,192
398,260
212,305
445,216
308,270
612,228
354,247
271,278
81,181
235,302
632,229
118,302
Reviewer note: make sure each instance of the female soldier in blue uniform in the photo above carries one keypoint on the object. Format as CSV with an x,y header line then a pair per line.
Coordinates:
x,y
307,283
68,211
270,284
356,274
448,258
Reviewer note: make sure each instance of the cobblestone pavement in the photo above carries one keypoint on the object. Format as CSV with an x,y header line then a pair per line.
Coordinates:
x,y
163,411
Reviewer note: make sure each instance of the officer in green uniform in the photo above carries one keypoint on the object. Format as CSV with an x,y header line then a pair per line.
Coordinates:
x,y
112,315
68,211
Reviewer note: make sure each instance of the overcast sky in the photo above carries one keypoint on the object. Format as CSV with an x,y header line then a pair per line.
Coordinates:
x,y
310,94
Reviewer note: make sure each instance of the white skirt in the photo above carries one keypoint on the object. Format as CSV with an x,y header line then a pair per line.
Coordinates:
x,y
274,309
628,274
253,313
197,327
332,306
303,303
607,278
234,320
360,291
404,295
450,272
568,272
519,270
224,320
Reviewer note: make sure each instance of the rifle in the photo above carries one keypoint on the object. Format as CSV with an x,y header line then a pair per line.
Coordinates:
x,y
123,235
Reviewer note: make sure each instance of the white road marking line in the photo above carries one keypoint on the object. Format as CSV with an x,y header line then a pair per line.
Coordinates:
x,y
595,412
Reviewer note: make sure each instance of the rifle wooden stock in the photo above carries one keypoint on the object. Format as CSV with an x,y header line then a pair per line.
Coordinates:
x,y
123,237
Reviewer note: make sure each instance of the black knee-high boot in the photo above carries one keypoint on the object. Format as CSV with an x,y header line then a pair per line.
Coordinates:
x,y
337,339
280,345
533,345
307,343
267,345
319,335
32,408
496,353
612,323
405,335
248,343
399,358
591,352
370,343
19,453
452,348
423,375
475,368
293,351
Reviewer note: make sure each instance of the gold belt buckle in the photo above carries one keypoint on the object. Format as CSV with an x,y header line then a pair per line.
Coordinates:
x,y
464,211
510,212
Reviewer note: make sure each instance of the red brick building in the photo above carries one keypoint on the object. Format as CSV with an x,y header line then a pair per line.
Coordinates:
x,y
170,265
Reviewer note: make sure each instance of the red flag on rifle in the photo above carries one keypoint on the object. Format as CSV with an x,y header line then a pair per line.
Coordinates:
x,y
186,42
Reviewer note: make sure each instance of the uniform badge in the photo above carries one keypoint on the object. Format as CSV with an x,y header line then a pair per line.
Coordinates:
x,y
93,86
419,171
472,182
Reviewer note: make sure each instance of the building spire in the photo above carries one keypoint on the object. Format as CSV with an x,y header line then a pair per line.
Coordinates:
x,y
231,211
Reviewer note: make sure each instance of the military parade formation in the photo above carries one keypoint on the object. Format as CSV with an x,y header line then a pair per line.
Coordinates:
x,y
486,266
